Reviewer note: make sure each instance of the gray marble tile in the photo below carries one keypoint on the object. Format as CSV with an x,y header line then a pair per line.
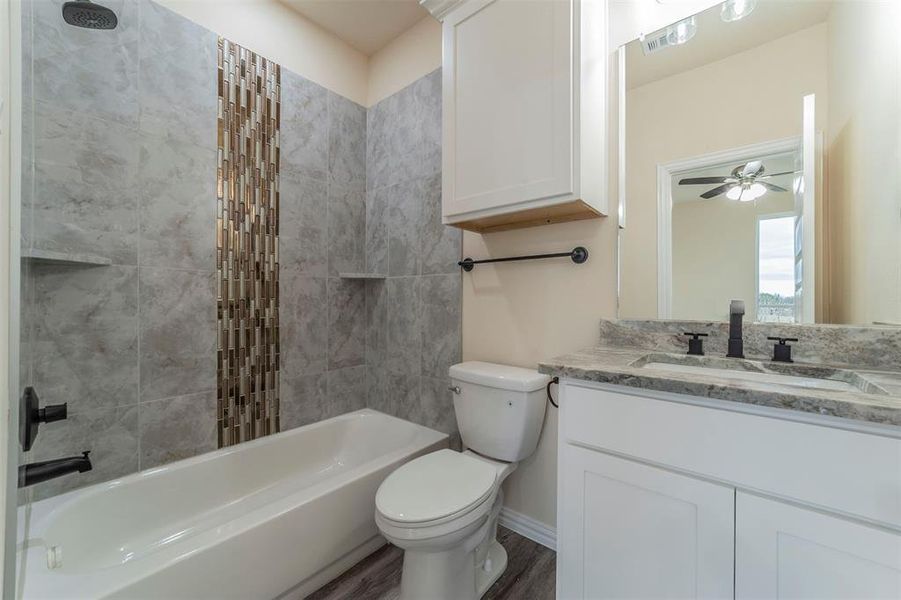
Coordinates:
x,y
303,225
172,38
441,246
99,81
377,388
347,142
303,400
346,322
393,141
427,92
346,391
176,428
376,247
376,323
85,336
404,326
177,182
403,397
437,404
178,332
110,434
346,229
85,185
178,84
303,133
405,211
303,315
442,323
53,36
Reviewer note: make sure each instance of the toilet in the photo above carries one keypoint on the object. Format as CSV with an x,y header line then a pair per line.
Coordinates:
x,y
442,508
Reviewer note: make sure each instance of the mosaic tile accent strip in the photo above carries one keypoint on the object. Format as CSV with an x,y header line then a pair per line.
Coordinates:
x,y
247,245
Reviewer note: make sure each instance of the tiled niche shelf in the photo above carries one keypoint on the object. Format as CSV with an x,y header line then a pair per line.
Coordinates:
x,y
65,258
361,276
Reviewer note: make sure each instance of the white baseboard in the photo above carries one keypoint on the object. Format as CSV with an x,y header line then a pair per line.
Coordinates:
x,y
528,527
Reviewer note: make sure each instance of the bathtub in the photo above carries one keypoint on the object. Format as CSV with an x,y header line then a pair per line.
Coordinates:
x,y
275,517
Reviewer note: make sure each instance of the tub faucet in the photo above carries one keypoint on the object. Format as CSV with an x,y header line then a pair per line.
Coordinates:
x,y
736,344
51,469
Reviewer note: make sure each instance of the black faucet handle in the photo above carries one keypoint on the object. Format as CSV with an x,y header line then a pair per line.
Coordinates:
x,y
782,352
696,344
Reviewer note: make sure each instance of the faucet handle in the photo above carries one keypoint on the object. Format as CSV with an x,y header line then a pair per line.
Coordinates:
x,y
782,352
696,344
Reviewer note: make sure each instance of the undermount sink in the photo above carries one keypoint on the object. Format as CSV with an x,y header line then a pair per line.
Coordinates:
x,y
790,374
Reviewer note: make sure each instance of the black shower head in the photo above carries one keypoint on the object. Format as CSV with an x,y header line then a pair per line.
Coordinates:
x,y
84,13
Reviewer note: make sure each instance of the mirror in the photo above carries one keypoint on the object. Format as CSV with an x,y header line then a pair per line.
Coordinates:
x,y
761,162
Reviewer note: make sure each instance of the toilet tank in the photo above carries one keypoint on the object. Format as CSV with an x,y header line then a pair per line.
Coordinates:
x,y
499,408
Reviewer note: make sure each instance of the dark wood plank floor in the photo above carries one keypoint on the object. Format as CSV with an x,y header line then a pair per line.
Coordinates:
x,y
530,574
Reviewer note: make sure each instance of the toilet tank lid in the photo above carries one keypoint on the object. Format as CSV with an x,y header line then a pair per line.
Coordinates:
x,y
504,377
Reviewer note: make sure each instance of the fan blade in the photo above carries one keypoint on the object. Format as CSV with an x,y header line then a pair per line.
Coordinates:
x,y
716,191
778,174
755,167
703,180
771,187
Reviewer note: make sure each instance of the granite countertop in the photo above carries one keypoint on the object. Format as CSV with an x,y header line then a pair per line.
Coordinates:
x,y
877,398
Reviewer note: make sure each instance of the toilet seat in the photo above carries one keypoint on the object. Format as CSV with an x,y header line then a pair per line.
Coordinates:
x,y
436,488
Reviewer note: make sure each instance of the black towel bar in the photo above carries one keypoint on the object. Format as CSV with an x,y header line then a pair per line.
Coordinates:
x,y
579,254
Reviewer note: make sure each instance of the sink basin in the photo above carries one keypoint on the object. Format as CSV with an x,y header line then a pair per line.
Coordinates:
x,y
795,375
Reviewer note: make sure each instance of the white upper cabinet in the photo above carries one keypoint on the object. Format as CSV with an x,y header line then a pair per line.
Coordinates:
x,y
524,131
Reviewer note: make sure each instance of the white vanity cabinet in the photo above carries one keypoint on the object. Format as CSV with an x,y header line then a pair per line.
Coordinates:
x,y
665,495
524,111
635,531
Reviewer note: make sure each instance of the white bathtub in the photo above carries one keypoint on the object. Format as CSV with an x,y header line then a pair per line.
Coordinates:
x,y
279,515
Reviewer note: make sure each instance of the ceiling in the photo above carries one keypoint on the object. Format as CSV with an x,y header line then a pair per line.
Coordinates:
x,y
776,163
715,40
367,25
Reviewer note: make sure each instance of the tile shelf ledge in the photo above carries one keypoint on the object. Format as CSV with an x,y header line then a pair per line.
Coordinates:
x,y
361,276
65,258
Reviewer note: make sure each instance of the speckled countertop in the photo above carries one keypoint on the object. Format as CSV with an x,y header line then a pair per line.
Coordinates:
x,y
874,396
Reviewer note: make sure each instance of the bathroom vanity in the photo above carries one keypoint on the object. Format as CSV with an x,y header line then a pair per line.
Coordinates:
x,y
706,477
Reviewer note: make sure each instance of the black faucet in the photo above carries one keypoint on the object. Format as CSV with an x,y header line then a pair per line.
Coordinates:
x,y
736,344
51,469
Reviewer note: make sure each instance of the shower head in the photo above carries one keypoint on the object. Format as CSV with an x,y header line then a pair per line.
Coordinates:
x,y
84,13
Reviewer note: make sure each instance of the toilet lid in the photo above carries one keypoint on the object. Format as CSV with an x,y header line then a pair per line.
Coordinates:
x,y
435,486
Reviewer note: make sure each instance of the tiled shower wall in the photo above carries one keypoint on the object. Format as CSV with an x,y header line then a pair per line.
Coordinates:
x,y
120,162
414,315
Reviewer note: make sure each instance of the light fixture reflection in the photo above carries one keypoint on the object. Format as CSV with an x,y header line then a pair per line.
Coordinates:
x,y
733,10
682,31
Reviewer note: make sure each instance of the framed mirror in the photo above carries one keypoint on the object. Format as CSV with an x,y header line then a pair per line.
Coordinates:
x,y
760,161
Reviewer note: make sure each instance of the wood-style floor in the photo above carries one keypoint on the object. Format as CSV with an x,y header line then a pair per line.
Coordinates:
x,y
530,574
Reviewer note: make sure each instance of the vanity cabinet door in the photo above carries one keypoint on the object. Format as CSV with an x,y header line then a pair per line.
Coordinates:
x,y
628,530
783,551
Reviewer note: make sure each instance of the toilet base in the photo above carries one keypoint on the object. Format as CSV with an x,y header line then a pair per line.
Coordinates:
x,y
496,563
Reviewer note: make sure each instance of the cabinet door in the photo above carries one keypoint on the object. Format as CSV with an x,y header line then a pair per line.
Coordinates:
x,y
508,104
783,551
628,530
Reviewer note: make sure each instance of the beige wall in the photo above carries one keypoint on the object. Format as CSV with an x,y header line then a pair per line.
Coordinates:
x,y
406,58
715,254
864,136
273,30
690,114
520,313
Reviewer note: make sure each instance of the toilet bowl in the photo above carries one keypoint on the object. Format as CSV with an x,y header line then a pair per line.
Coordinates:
x,y
442,508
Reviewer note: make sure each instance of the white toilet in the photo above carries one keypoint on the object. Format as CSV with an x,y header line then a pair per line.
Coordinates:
x,y
442,508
